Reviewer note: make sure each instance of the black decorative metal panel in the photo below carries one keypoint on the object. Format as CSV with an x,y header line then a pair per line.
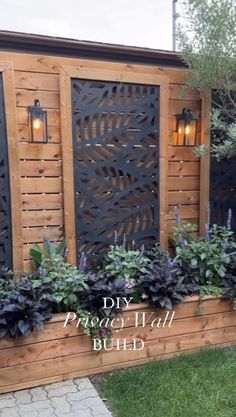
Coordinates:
x,y
222,187
223,191
5,205
116,163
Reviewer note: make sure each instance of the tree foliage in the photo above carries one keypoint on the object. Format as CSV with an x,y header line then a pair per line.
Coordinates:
x,y
207,42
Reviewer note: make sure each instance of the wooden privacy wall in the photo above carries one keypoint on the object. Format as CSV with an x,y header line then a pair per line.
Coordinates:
x,y
41,164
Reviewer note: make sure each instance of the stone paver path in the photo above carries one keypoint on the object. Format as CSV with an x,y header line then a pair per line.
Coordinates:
x,y
76,398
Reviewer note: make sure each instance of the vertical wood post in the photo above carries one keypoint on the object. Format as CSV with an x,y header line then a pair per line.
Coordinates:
x,y
68,165
13,158
163,149
205,162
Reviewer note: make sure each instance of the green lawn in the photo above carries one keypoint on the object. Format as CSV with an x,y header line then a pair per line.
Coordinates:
x,y
198,385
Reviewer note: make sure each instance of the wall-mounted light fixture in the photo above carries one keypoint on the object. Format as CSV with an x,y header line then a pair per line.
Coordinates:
x,y
185,132
38,123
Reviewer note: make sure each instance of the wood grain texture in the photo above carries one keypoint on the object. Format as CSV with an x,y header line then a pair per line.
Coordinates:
x,y
42,218
60,353
51,65
163,170
13,158
183,183
39,202
35,151
41,185
68,173
40,167
205,161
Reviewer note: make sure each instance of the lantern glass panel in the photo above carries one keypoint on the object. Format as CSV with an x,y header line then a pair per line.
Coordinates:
x,y
180,132
38,124
190,133
185,129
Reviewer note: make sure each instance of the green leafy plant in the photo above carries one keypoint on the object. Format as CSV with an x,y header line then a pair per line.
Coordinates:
x,y
206,36
123,263
201,150
48,250
62,283
183,231
6,281
223,237
209,289
229,283
207,258
230,289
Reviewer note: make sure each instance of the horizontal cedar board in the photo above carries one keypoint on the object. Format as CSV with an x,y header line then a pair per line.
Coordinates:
x,y
41,185
37,234
181,92
51,64
53,116
54,134
42,218
177,106
28,265
40,168
36,81
183,183
82,343
54,328
105,368
173,134
42,201
183,197
38,151
183,168
89,360
48,99
186,212
182,153
50,82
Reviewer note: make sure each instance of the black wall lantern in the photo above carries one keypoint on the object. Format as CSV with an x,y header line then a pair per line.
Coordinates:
x,y
186,129
38,123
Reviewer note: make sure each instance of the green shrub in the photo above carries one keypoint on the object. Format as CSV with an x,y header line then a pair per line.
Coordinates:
x,y
207,260
60,283
48,250
121,263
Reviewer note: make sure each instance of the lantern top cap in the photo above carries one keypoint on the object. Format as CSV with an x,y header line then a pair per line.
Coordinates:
x,y
36,103
187,115
36,106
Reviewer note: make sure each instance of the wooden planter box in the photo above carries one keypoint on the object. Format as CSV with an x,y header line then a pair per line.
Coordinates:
x,y
60,353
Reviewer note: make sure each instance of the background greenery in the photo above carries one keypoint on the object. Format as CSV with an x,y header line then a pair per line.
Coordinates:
x,y
207,42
